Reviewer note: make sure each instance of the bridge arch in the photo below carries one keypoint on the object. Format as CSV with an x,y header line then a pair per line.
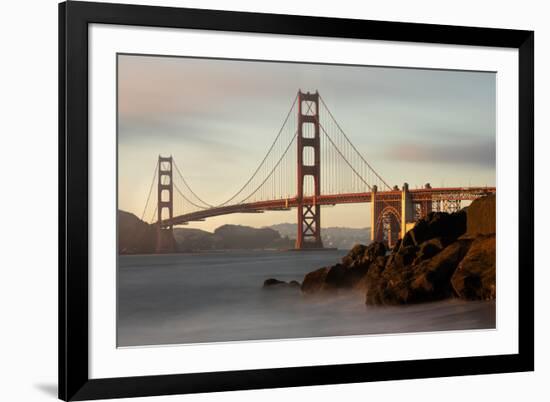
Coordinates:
x,y
388,225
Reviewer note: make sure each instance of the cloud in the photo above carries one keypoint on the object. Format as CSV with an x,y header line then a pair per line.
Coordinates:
x,y
469,151
148,86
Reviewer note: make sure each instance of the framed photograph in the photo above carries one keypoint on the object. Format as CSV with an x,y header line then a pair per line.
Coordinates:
x,y
257,200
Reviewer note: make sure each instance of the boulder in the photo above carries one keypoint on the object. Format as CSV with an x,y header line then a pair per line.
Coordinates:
x,y
429,249
337,277
403,257
354,255
333,278
313,281
432,277
273,283
481,216
442,225
428,280
374,251
348,274
475,277
364,255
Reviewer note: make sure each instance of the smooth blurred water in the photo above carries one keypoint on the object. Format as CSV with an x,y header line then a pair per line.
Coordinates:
x,y
213,297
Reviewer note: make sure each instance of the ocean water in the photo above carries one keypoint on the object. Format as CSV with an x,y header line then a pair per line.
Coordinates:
x,y
218,296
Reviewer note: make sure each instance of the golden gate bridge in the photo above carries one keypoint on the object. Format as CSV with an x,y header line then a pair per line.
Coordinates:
x,y
311,163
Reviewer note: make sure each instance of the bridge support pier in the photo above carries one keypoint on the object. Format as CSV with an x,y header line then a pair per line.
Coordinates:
x,y
373,214
407,210
166,242
392,216
385,219
309,213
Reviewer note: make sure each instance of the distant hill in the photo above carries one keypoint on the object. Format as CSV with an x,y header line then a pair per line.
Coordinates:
x,y
138,237
229,237
339,237
237,236
134,235
194,239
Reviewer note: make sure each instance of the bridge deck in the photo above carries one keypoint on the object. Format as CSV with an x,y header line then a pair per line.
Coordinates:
x,y
418,195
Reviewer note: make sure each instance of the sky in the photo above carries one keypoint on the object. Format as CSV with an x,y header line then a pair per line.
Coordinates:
x,y
217,118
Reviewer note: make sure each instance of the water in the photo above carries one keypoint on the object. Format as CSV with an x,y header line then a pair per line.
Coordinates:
x,y
212,297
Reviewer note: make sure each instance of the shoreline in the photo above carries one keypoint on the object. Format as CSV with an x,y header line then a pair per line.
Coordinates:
x,y
233,251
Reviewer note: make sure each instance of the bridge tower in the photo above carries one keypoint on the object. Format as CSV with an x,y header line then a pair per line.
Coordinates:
x,y
309,211
165,204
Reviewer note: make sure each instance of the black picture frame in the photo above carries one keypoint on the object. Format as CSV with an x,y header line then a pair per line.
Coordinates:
x,y
74,18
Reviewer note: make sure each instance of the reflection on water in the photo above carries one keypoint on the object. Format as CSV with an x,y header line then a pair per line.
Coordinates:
x,y
166,299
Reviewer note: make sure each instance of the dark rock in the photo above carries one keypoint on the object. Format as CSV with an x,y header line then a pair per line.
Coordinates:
x,y
374,250
364,255
441,225
429,280
313,281
429,249
432,277
475,277
407,241
355,254
397,245
481,216
350,273
273,282
337,277
332,278
403,257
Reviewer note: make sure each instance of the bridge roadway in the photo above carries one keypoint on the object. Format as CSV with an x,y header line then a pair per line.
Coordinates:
x,y
417,195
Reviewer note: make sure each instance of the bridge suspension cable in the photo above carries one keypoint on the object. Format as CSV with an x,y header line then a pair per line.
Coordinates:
x,y
263,161
362,158
150,190
187,199
272,170
154,214
344,158
205,204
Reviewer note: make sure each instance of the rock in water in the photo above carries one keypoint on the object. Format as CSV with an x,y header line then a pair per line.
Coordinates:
x,y
350,273
313,281
402,282
475,277
441,256
273,283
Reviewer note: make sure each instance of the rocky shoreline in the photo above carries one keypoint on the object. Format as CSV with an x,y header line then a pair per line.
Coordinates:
x,y
444,256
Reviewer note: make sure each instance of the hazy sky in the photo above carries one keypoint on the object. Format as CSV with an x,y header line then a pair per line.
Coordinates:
x,y
218,117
